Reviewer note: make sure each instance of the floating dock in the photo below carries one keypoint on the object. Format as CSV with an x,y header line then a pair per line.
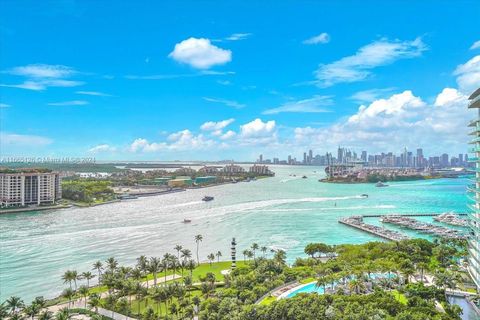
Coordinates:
x,y
409,215
357,222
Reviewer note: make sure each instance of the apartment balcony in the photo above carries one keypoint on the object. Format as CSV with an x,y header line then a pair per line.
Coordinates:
x,y
473,159
474,150
474,100
473,141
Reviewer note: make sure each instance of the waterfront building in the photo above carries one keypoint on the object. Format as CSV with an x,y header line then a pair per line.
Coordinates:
x,y
205,180
474,215
183,171
233,169
180,182
27,187
260,170
208,170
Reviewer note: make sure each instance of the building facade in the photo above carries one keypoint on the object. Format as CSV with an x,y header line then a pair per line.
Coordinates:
x,y
474,190
29,188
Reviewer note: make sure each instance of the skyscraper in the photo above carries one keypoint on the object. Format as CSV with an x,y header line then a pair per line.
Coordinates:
x,y
474,189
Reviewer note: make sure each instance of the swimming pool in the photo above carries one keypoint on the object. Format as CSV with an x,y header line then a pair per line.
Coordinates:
x,y
311,287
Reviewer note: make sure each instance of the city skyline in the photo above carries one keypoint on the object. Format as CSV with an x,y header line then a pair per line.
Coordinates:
x,y
209,85
404,158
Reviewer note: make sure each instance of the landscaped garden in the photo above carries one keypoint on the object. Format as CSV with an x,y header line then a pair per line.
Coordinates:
x,y
377,280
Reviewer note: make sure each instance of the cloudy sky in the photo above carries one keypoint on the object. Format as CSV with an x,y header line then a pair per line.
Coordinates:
x,y
210,80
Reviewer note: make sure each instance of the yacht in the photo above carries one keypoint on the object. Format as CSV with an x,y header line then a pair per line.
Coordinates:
x,y
380,184
187,220
207,198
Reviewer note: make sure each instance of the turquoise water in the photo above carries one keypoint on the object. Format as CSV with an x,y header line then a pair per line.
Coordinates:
x,y
280,212
313,288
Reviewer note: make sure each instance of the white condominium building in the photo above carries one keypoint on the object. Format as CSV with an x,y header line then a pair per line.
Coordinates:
x,y
29,187
474,189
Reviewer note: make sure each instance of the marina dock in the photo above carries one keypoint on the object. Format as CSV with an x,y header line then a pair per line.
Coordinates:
x,y
357,222
410,215
423,227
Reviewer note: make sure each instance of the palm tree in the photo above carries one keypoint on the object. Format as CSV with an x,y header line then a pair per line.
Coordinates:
x,y
110,303
356,286
245,253
69,294
94,301
142,264
140,293
46,315
75,277
98,266
68,278
166,263
186,254
422,266
198,239
14,303
122,306
254,248
264,250
31,310
322,282
88,276
280,257
191,266
178,248
84,292
218,254
63,314
3,310
112,264
154,268
187,281
250,254
210,258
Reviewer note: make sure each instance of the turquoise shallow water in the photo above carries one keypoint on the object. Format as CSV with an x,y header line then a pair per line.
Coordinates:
x,y
281,212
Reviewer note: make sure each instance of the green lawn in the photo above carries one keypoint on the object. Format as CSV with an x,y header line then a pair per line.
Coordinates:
x,y
307,280
157,307
268,300
215,268
400,297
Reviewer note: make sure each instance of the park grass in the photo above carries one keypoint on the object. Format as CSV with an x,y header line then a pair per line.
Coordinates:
x,y
400,297
158,308
215,268
307,280
268,300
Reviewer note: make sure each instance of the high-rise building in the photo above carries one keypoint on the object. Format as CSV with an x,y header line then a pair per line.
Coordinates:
x,y
340,152
21,188
474,215
310,156
364,156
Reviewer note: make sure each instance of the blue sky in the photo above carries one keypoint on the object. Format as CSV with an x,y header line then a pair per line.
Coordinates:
x,y
217,80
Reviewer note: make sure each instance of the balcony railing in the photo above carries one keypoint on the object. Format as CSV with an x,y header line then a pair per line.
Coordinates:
x,y
475,102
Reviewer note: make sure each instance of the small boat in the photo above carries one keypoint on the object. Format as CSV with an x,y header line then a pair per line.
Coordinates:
x,y
304,177
380,184
187,220
207,198
364,195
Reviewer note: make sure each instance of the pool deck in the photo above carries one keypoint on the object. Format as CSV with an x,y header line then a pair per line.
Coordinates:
x,y
289,289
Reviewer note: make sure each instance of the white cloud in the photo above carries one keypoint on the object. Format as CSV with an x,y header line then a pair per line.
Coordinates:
x,y
200,53
311,105
41,76
42,71
12,139
321,38
370,95
183,140
229,103
401,120
468,75
228,135
102,148
69,103
238,36
212,125
358,66
93,93
475,45
257,128
4,105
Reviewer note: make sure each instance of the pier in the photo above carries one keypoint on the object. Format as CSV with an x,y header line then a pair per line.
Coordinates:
x,y
410,215
357,222
423,227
